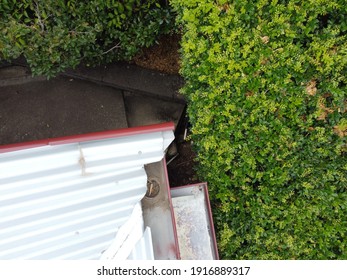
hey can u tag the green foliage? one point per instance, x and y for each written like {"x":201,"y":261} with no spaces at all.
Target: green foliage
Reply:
{"x":266,"y":90}
{"x":56,"y":34}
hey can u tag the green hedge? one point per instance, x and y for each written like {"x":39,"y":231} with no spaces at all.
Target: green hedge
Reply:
{"x":56,"y":34}
{"x":266,"y":90}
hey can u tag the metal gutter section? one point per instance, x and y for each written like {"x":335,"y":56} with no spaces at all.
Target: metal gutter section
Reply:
{"x":158,"y":213}
{"x":68,"y":198}
{"x":196,"y":236}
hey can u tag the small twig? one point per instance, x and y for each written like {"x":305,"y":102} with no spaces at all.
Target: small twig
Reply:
{"x":178,"y":164}
{"x":175,"y":156}
{"x":79,"y":32}
{"x":150,"y":189}
{"x":111,"y":49}
{"x":37,"y":11}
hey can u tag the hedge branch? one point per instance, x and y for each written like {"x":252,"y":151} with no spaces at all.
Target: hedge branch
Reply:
{"x":37,"y":11}
{"x":111,"y":49}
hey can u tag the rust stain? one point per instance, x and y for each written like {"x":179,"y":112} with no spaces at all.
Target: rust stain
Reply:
{"x":173,"y":249}
{"x":82,"y":162}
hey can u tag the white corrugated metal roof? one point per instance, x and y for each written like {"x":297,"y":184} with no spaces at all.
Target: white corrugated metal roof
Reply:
{"x":143,"y":250}
{"x":68,"y":201}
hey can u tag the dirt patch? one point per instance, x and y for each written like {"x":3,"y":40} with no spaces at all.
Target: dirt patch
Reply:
{"x":182,"y":169}
{"x":163,"y":56}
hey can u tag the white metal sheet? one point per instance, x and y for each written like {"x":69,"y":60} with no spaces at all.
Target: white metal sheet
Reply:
{"x":143,"y":250}
{"x":68,"y":201}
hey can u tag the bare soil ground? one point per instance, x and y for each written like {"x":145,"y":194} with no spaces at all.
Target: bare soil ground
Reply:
{"x":163,"y":57}
{"x":182,"y":170}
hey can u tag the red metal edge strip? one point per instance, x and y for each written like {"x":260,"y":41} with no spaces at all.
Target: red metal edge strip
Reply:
{"x":89,"y":137}
{"x":178,"y":254}
{"x":208,"y":204}
{"x":211,"y":220}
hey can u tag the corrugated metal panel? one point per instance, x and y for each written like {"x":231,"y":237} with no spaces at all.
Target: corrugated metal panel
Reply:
{"x":68,"y":201}
{"x":127,"y":236}
{"x":144,"y":248}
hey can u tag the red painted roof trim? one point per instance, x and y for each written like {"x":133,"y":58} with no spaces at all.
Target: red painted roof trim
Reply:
{"x":166,"y":175}
{"x":89,"y":137}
